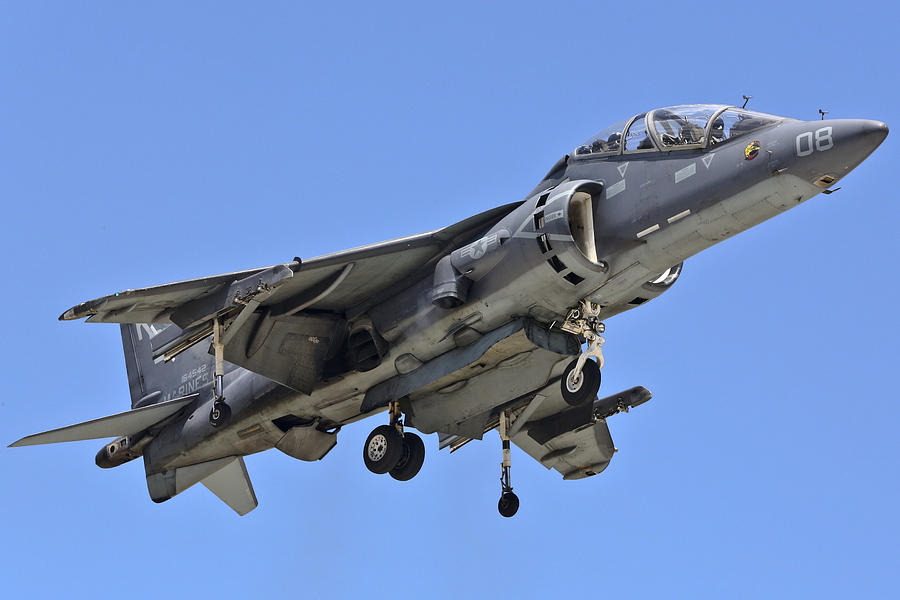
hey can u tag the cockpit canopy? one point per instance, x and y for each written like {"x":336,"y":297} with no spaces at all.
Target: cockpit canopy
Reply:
{"x":675,"y":128}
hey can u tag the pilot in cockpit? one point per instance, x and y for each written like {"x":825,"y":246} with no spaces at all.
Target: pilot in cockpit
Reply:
{"x":690,"y":133}
{"x":613,"y":141}
{"x":675,"y":128}
{"x":717,"y":132}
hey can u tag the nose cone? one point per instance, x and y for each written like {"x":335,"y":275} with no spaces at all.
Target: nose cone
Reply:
{"x":825,"y":151}
{"x":870,"y":132}
{"x":854,"y":139}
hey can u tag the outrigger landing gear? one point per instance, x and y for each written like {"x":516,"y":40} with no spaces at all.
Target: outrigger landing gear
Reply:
{"x":389,"y":449}
{"x":581,"y":379}
{"x":508,"y":504}
{"x":221,"y":412}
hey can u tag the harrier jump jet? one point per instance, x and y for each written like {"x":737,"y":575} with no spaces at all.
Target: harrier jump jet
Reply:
{"x":495,"y":322}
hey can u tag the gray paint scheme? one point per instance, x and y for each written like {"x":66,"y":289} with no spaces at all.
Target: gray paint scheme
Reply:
{"x":458,"y":324}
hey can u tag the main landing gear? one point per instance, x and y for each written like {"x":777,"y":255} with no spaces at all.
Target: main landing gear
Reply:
{"x":581,"y":379}
{"x":389,"y":449}
{"x":220,"y":413}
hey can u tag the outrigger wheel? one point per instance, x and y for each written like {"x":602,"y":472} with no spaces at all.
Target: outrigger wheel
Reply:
{"x":583,"y":387}
{"x":220,"y":413}
{"x":508,"y":504}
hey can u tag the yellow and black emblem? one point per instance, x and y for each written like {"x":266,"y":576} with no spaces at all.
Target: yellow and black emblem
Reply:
{"x":751,"y":150}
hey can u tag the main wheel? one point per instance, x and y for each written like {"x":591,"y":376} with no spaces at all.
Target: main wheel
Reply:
{"x":413,"y":458}
{"x":508,"y":504}
{"x":581,"y":389}
{"x":383,"y":449}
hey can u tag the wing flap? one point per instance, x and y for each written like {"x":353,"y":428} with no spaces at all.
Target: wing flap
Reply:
{"x":121,"y":424}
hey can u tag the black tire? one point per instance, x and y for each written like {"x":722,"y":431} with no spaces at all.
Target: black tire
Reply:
{"x":220,"y":414}
{"x":383,"y":449}
{"x":508,"y":504}
{"x":585,"y":389}
{"x":412,"y":460}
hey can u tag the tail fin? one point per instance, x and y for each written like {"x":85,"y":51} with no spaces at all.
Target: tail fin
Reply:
{"x":151,"y":382}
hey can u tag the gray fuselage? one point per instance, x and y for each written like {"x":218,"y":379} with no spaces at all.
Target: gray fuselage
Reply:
{"x":611,"y":228}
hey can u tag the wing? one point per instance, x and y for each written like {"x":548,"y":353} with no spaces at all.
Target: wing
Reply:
{"x":284,"y":321}
{"x":330,"y":282}
{"x":573,"y":440}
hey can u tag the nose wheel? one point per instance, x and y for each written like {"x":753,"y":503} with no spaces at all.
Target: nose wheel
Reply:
{"x":390,"y":449}
{"x":581,"y":379}
{"x":580,"y":387}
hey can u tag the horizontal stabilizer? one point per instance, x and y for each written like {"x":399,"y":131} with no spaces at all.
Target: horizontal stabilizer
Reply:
{"x":126,"y":423}
{"x":232,"y":485}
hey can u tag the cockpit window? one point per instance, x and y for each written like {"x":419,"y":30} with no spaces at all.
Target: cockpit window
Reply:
{"x":637,"y":137}
{"x":736,"y":122}
{"x":605,"y":142}
{"x":676,"y":127}
{"x":682,"y":125}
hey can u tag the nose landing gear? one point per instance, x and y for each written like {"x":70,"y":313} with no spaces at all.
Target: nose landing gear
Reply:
{"x":581,"y":379}
{"x":389,"y":449}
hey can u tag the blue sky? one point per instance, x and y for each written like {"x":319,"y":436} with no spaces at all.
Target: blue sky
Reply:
{"x":151,"y":143}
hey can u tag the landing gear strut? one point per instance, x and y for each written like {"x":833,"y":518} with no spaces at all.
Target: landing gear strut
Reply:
{"x":390,"y":449}
{"x":508,"y":504}
{"x":581,"y":379}
{"x":221,"y":412}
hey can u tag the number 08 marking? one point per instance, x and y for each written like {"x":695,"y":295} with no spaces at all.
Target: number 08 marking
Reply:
{"x":807,"y":143}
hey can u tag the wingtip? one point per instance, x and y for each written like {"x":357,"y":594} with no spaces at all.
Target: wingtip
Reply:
{"x":80,"y":311}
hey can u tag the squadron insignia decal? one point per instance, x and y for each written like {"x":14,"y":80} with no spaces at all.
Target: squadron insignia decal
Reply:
{"x":751,"y":150}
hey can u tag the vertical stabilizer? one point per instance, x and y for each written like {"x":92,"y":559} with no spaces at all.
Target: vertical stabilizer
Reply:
{"x":150,"y":382}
